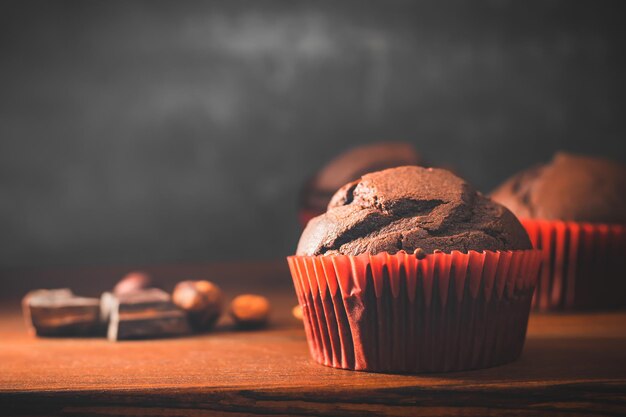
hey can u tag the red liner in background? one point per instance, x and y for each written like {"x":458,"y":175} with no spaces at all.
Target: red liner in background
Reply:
{"x":584,"y":264}
{"x":397,"y":313}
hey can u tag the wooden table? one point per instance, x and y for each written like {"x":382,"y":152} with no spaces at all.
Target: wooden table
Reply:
{"x":573,"y":365}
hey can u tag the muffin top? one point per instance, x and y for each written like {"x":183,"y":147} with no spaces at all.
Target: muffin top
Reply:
{"x":409,"y":208}
{"x":570,"y":188}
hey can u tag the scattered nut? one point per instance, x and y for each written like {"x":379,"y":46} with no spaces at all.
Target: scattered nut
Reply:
{"x":250,"y":311}
{"x":419,"y":253}
{"x":296,"y":311}
{"x":132,"y":282}
{"x":202,"y":300}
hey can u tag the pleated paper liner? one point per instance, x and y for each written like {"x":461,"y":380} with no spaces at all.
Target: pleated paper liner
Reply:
{"x":399,"y":314}
{"x":584,"y":265}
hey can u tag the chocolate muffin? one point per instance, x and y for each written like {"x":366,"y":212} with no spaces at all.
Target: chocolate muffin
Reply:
{"x":410,"y":208}
{"x":412,"y":270}
{"x":574,"y":209}
{"x":349,"y":166}
{"x":570,"y":188}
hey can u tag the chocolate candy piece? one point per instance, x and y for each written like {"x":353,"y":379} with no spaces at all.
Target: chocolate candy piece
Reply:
{"x":143,"y":315}
{"x":61,"y":313}
{"x":58,"y":293}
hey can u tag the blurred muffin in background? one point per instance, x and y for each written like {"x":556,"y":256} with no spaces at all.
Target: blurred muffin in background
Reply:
{"x":574,"y":209}
{"x":570,"y":188}
{"x":349,"y":166}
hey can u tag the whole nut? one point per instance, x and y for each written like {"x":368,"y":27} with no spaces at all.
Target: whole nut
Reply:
{"x":250,"y":310}
{"x":132,"y":282}
{"x":296,"y":311}
{"x":202,"y":300}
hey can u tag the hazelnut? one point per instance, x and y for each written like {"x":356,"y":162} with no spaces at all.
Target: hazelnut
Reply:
{"x":296,"y":311}
{"x":202,"y":300}
{"x":133,"y":282}
{"x":419,"y":253}
{"x":249,"y":310}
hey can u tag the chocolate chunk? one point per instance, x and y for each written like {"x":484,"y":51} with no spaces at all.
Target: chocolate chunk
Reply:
{"x":143,"y":315}
{"x":411,"y":207}
{"x":61,"y":313}
{"x":50,"y":294}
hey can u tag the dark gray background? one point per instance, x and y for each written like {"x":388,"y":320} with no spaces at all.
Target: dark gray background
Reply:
{"x":135,"y":132}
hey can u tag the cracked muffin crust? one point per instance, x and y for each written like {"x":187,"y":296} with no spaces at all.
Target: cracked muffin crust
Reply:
{"x":411,"y":208}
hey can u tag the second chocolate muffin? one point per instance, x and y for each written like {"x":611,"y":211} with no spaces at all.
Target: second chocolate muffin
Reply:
{"x":409,"y":208}
{"x":574,"y":210}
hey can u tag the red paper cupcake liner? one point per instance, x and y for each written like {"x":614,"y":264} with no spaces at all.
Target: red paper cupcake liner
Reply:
{"x":396,"y":313}
{"x":583,"y":264}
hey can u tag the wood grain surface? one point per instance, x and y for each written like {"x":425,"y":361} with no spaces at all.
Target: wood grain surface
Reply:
{"x":572,"y":365}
